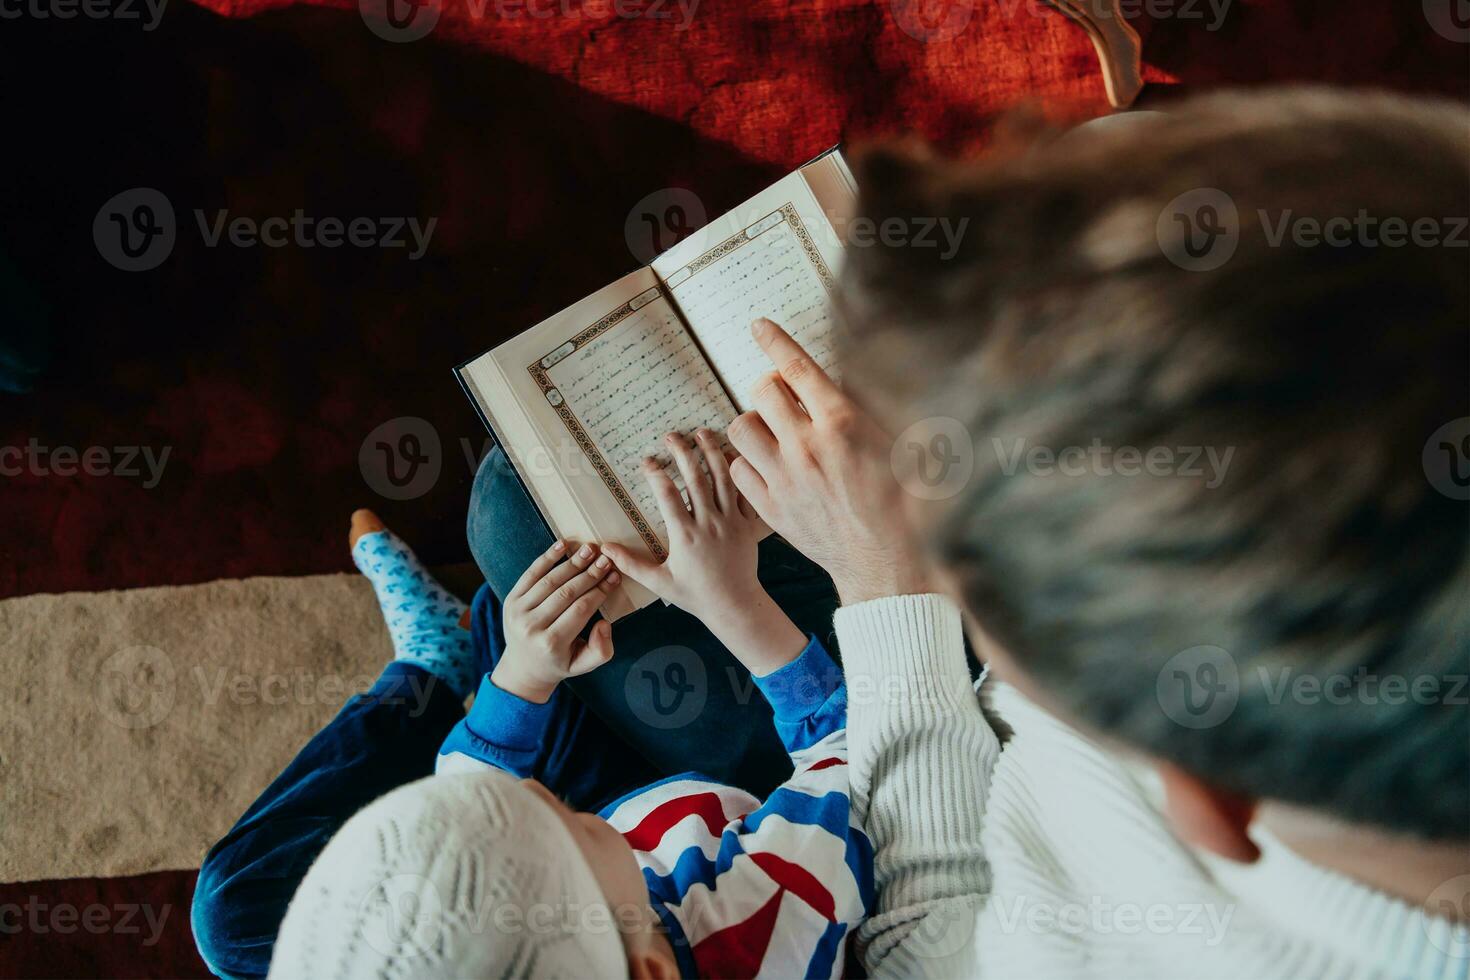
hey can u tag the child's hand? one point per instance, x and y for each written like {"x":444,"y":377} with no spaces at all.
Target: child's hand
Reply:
{"x":712,"y":542}
{"x":544,"y":614}
{"x":710,"y":571}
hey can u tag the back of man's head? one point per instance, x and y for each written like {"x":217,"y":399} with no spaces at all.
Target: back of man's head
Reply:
{"x":1213,"y":370}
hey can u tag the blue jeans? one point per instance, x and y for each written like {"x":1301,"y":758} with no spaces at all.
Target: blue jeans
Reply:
{"x":672,"y":691}
{"x":672,"y":700}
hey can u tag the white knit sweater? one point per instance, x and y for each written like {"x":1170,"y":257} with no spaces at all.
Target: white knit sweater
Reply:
{"x":1049,"y":859}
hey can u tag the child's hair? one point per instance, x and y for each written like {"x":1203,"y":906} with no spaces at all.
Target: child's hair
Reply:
{"x":452,"y":875}
{"x":1212,"y":366}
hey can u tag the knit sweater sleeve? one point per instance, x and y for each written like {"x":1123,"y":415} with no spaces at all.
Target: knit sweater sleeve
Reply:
{"x":921,"y":756}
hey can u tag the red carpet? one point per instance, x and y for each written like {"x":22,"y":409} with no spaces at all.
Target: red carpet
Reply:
{"x":263,"y":370}
{"x":99,"y":927}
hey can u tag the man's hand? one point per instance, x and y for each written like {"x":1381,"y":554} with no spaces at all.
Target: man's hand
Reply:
{"x":544,"y":615}
{"x":816,"y":469}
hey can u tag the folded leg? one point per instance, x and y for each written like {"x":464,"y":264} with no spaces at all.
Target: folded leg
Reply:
{"x":377,"y":742}
{"x":672,"y":692}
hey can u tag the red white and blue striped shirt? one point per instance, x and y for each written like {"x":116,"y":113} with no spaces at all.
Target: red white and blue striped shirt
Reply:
{"x":745,"y":888}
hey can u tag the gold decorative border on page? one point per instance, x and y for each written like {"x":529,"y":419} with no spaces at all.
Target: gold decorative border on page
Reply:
{"x":790,"y":217}
{"x":538,"y":371}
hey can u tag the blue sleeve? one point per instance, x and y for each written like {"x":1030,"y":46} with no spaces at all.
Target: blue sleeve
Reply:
{"x":810,"y":702}
{"x":501,"y":730}
{"x":808,"y":696}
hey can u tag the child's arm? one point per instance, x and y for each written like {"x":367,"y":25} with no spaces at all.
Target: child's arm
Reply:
{"x":543,"y":616}
{"x":711,"y":573}
{"x":921,"y":765}
{"x":802,"y":842}
{"x":711,"y":568}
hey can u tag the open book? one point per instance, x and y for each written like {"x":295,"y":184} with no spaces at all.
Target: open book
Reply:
{"x":580,"y":399}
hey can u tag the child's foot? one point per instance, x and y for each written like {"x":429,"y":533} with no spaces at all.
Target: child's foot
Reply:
{"x":423,"y":618}
{"x":363,"y":522}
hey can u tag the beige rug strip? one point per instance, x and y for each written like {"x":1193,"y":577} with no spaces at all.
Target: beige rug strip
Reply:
{"x":135,"y":726}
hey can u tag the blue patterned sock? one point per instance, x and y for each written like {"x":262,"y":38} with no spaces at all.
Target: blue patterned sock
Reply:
{"x":422,"y":617}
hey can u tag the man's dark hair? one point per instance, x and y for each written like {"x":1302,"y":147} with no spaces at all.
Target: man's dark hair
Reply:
{"x":1093,"y":302}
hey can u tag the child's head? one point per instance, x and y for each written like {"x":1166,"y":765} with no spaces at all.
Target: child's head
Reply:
{"x":479,"y":874}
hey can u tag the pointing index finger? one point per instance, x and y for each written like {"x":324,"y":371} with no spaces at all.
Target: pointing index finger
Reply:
{"x":816,"y":389}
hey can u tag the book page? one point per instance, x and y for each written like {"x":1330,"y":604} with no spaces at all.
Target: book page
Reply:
{"x":625,"y":388}
{"x":578,"y":400}
{"x":599,"y":385}
{"x":776,"y":256}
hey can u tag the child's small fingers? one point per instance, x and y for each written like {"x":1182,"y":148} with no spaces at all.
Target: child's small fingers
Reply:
{"x":670,"y":504}
{"x":558,"y":576}
{"x":544,"y":563}
{"x":592,"y":653}
{"x":570,"y":621}
{"x":687,"y":459}
{"x":726,"y":496}
{"x":566,"y":595}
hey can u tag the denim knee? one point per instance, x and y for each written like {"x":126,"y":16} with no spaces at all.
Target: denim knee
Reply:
{"x":504,"y":528}
{"x":228,"y":947}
